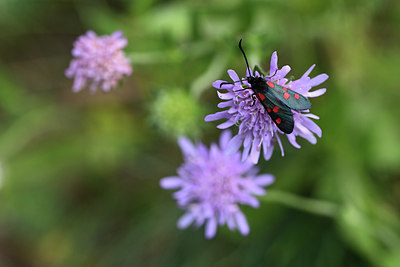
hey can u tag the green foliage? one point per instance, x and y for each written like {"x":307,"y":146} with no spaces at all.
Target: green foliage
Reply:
{"x":80,"y":172}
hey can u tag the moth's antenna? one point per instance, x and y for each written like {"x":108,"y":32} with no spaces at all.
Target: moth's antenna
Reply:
{"x":245,"y":58}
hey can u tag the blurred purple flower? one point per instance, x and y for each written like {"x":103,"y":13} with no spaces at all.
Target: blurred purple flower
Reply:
{"x":212,"y":184}
{"x":99,"y":61}
{"x":256,"y":128}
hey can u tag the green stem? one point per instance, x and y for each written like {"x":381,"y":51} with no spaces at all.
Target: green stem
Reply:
{"x":214,"y":70}
{"x":319,"y":207}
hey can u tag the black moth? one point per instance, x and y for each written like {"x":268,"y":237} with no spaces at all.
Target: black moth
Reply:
{"x":277,"y":100}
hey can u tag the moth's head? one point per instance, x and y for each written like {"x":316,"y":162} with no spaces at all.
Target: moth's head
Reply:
{"x":256,"y":82}
{"x":252,"y":80}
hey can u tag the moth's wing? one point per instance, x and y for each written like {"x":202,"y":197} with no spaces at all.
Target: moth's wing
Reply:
{"x":289,"y":97}
{"x":279,"y":112}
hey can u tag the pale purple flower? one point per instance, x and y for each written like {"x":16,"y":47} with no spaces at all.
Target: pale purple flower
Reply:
{"x":256,"y":128}
{"x":212,"y":184}
{"x":99,"y":61}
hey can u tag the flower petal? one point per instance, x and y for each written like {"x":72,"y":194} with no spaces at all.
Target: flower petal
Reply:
{"x":242,"y":223}
{"x":317,"y":80}
{"x":233,"y":75}
{"x":305,"y":133}
{"x":315,"y":93}
{"x":217,"y":116}
{"x":187,"y":146}
{"x":268,"y":148}
{"x":282,"y":72}
{"x":227,"y":124}
{"x":185,"y":220}
{"x":307,"y":73}
{"x":226,"y":96}
{"x":278,"y":139}
{"x":264,"y":179}
{"x":255,"y":150}
{"x":225,"y":104}
{"x":255,"y":190}
{"x":234,"y":144}
{"x":211,"y":228}
{"x":246,"y":147}
{"x":292,"y":139}
{"x":231,"y":223}
{"x":218,"y":84}
{"x":117,"y":34}
{"x":171,"y":182}
{"x":224,"y":139}
{"x":250,"y":200}
{"x":312,"y":126}
{"x":312,"y":116}
{"x":274,"y":63}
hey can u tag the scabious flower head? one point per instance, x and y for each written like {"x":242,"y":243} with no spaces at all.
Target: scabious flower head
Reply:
{"x":99,"y":61}
{"x":256,"y":128}
{"x":177,"y":113}
{"x":212,"y":184}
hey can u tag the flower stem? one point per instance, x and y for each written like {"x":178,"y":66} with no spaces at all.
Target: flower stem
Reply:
{"x":215,"y":69}
{"x":318,"y":207}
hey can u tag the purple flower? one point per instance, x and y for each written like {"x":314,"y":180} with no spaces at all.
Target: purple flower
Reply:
{"x":256,"y":128}
{"x":99,"y":61}
{"x":212,"y":184}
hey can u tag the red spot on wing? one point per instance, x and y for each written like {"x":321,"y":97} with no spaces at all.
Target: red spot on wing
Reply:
{"x":286,"y":95}
{"x":271,"y":84}
{"x":276,"y":109}
{"x":284,"y":89}
{"x":269,"y":110}
{"x":261,"y":96}
{"x":278,"y":121}
{"x":296,"y":96}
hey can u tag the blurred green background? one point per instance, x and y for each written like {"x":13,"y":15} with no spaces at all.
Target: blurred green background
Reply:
{"x":80,"y":172}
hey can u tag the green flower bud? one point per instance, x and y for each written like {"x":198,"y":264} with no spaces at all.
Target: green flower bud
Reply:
{"x":177,"y":113}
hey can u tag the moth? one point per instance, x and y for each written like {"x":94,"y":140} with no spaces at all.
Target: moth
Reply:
{"x":277,"y":100}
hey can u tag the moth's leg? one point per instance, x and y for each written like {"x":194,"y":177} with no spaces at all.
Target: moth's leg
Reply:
{"x":272,"y":74}
{"x":254,"y":97}
{"x":244,"y":87}
{"x":223,"y":83}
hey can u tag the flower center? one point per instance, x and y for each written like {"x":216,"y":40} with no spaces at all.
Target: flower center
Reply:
{"x":219,"y":188}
